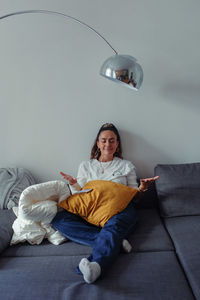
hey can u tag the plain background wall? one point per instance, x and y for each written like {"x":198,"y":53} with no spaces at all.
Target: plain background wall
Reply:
{"x":53,"y":101}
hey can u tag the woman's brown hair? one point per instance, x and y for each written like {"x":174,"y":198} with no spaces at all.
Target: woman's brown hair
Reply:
{"x":95,"y":152}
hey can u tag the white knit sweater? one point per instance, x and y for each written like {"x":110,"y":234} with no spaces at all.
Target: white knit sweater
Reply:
{"x":118,"y":170}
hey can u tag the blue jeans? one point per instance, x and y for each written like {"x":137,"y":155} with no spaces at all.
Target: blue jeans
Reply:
{"x":106,"y":241}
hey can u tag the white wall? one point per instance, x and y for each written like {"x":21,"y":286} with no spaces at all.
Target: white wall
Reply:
{"x":49,"y":117}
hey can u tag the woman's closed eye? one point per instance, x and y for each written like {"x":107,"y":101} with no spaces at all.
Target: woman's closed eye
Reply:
{"x":110,"y":141}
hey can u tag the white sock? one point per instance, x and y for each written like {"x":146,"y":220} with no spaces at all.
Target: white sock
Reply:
{"x":126,"y":246}
{"x":90,"y":270}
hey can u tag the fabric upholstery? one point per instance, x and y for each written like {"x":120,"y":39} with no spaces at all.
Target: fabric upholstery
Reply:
{"x":7,"y":218}
{"x":185,"y":233}
{"x":147,"y":199}
{"x":97,"y":206}
{"x":163,"y":264}
{"x":134,"y":276}
{"x":68,"y":248}
{"x":149,"y":233}
{"x":178,"y":189}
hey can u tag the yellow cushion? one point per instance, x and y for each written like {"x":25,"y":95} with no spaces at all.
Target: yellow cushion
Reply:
{"x":106,"y":199}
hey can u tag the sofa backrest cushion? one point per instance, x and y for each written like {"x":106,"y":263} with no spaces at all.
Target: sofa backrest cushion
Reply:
{"x":148,"y":199}
{"x":178,"y":189}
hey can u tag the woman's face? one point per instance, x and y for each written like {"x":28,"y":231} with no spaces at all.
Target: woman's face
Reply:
{"x":107,"y":143}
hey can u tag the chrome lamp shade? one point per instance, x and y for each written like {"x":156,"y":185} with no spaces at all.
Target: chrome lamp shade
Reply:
{"x":123,"y":69}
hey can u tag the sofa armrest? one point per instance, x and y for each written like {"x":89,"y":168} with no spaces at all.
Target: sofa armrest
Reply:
{"x":7,"y":218}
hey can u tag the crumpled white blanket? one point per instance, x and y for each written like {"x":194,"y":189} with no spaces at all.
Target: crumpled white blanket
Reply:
{"x":37,"y":208}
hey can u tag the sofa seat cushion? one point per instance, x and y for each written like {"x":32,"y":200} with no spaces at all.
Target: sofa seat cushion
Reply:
{"x":185,"y":233}
{"x":46,"y":249}
{"x":150,"y":233}
{"x":178,"y":189}
{"x":150,"y":275}
{"x":7,"y":218}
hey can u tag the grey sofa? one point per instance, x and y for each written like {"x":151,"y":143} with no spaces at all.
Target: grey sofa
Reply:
{"x":164,"y":262}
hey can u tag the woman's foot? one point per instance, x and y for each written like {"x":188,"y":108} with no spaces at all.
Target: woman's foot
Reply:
{"x":90,"y":270}
{"x":126,"y":246}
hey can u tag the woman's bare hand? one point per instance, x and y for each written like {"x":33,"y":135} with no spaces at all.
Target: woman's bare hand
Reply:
{"x":145,"y":183}
{"x":70,"y":179}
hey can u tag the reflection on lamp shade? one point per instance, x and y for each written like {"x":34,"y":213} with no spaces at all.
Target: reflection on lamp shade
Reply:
{"x":123,"y":69}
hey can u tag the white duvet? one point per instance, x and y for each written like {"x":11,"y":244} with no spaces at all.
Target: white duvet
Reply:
{"x":37,"y":208}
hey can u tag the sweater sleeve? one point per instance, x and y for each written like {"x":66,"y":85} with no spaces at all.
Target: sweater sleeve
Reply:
{"x":132,"y":177}
{"x":81,"y":178}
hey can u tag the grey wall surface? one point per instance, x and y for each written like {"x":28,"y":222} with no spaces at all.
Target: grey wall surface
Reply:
{"x":51,"y":107}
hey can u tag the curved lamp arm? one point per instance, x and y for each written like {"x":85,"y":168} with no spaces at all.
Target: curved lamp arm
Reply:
{"x":36,"y":11}
{"x":119,"y":68}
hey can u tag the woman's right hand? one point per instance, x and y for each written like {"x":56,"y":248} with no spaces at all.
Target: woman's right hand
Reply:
{"x":144,"y":183}
{"x":70,"y":179}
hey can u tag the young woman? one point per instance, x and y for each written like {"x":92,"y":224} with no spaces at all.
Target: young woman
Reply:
{"x":106,"y":163}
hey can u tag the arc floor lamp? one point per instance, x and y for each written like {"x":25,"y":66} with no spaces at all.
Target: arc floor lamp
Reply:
{"x":122,"y":69}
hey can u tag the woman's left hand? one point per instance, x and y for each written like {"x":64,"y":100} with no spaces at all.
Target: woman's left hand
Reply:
{"x":145,"y":183}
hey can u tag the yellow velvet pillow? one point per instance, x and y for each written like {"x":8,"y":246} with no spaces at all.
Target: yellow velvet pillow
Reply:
{"x":97,"y":206}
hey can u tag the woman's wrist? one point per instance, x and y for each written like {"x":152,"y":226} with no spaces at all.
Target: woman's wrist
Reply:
{"x":76,"y":186}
